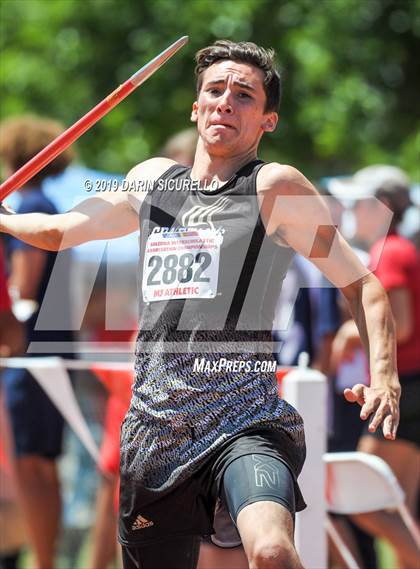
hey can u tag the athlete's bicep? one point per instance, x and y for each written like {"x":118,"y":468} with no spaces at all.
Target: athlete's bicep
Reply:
{"x":104,"y":217}
{"x":326,"y":248}
{"x":112,"y":214}
{"x":311,"y":232}
{"x":295,"y":214}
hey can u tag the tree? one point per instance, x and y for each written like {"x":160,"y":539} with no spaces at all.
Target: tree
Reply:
{"x":350,"y":67}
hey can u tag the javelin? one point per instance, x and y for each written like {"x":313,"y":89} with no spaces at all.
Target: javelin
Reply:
{"x":59,"y":144}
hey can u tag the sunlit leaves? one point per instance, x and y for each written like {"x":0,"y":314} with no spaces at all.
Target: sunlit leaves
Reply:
{"x":351,"y":73}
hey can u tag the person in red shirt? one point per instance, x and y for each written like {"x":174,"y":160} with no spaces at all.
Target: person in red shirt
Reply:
{"x":103,"y":550}
{"x":396,"y":263}
{"x":104,"y":536}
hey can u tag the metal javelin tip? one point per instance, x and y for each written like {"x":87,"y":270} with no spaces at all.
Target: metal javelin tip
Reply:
{"x":153,"y":65}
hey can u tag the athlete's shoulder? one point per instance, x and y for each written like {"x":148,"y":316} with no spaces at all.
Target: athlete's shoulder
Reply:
{"x":141,"y":177}
{"x":150,"y":169}
{"x":280,"y":188}
{"x":283,"y":179}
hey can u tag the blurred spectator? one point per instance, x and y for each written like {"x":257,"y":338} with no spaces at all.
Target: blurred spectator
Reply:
{"x":181,"y":146}
{"x":11,"y":331}
{"x":36,"y":424}
{"x":11,"y":343}
{"x":295,"y":313}
{"x":104,"y":539}
{"x":395,"y":261}
{"x":299,"y":310}
{"x":12,"y":534}
{"x":344,"y":425}
{"x":118,"y":387}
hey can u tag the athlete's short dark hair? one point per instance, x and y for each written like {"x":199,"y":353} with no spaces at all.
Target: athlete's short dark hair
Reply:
{"x":244,"y":52}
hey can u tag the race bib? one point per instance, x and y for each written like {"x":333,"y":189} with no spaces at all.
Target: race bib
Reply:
{"x":181,"y":263}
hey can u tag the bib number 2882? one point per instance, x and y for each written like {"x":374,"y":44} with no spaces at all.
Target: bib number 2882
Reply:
{"x":181,"y":264}
{"x":183,"y":269}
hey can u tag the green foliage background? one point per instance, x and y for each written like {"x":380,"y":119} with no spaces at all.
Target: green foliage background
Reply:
{"x":351,"y":73}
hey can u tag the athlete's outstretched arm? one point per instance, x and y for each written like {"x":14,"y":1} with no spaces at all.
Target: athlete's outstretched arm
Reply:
{"x":294,"y":213}
{"x":104,"y":217}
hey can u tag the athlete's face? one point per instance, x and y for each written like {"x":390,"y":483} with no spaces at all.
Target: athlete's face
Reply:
{"x":229,"y":111}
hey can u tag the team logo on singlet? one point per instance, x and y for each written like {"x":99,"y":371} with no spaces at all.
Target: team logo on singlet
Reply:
{"x":203,"y":215}
{"x":142,"y":523}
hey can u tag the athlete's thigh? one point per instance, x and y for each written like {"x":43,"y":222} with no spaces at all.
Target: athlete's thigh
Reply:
{"x":179,"y":552}
{"x":265,"y":524}
{"x":257,"y":478}
{"x":259,"y":493}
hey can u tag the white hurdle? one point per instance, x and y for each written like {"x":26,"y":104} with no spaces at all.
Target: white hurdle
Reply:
{"x":52,"y":375}
{"x":306,"y":390}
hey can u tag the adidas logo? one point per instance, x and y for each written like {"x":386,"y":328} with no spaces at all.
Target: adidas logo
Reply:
{"x":141,"y":523}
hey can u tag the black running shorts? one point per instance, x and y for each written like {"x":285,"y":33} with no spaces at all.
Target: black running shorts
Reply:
{"x":248,"y":479}
{"x":252,"y":466}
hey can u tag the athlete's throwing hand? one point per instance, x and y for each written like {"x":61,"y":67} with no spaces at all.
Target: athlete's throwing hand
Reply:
{"x":379,"y":404}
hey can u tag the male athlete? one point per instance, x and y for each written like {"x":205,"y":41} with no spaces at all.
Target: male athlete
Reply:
{"x":205,"y":422}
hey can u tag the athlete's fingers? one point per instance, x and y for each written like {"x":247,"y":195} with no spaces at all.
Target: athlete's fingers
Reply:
{"x":355,"y":394}
{"x":395,"y":423}
{"x":349,"y":395}
{"x":381,"y":412}
{"x":387,"y":427}
{"x":371,"y":406}
{"x":390,"y":424}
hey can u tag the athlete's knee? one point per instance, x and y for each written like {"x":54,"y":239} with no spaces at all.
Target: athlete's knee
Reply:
{"x":273,"y":554}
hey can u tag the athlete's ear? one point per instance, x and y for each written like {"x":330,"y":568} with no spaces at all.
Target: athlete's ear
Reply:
{"x":194,"y":112}
{"x":270,"y":122}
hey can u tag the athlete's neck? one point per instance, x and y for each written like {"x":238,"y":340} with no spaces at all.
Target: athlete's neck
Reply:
{"x":208,"y":167}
